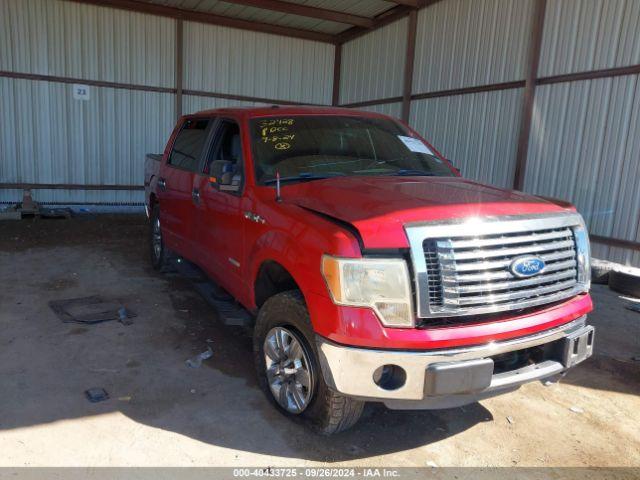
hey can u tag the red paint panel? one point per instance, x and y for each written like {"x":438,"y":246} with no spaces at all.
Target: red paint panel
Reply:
{"x":330,"y":217}
{"x":361,"y":327}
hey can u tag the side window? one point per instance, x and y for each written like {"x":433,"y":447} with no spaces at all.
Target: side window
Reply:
{"x":187,"y":149}
{"x":227,"y":147}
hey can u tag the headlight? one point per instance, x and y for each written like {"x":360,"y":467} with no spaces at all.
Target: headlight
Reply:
{"x":379,"y":284}
{"x":583,"y":255}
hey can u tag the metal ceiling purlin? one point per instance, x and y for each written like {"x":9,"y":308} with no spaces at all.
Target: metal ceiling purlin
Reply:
{"x":307,"y":11}
{"x":361,"y":24}
{"x":209,"y":18}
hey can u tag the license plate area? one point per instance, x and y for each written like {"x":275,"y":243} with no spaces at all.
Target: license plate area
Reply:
{"x":578,"y":346}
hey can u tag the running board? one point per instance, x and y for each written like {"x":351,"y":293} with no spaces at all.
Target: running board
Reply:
{"x":229,"y":311}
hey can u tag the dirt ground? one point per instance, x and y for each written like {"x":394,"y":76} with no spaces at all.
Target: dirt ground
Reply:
{"x":162,"y":413}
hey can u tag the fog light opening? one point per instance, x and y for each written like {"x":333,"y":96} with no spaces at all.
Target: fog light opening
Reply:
{"x":389,"y":377}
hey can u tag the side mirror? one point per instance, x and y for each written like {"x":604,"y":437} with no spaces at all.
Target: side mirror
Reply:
{"x":221,"y":176}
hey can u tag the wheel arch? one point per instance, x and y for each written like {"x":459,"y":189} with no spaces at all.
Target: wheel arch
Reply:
{"x":272,"y":278}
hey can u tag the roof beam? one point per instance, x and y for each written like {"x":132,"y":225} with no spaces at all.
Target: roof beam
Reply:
{"x":210,"y":18}
{"x":408,"y":3}
{"x":385,"y":18}
{"x":381,"y":20}
{"x":307,"y":11}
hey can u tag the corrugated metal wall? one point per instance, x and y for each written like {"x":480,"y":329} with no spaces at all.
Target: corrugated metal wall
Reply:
{"x":193,"y":103}
{"x":68,"y":39}
{"x":584,"y":141}
{"x":373,"y":65}
{"x":46,"y":136}
{"x":585,"y":147}
{"x":394,"y":109}
{"x":459,"y":43}
{"x":585,"y":136}
{"x":477,"y":132}
{"x":465,"y":43}
{"x":225,"y":60}
{"x":583,"y":35}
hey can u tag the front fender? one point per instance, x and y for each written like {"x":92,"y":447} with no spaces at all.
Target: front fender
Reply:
{"x":299,"y":250}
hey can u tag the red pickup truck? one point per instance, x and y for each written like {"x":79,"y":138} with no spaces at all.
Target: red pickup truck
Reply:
{"x":371,"y":270}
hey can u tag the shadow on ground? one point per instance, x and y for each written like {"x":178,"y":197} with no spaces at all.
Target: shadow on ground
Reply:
{"x":46,"y":365}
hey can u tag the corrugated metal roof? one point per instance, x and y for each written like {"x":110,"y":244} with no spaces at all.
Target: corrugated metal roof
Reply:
{"x":585,"y":147}
{"x":365,"y":8}
{"x":464,"y":43}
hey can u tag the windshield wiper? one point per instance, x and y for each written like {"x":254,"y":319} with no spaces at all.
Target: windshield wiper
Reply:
{"x":303,"y":177}
{"x":415,"y":173}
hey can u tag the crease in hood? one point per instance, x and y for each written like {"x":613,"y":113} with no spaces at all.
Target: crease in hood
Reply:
{"x":380,"y":207}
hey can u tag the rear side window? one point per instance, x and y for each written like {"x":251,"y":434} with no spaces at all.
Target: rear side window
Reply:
{"x":187,"y":149}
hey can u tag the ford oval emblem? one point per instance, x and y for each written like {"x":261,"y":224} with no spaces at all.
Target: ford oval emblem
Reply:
{"x":526,"y":266}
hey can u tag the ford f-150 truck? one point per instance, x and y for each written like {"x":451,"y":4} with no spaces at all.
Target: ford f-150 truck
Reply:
{"x":372,"y":271}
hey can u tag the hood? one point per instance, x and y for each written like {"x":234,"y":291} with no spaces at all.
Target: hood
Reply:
{"x":379,"y":207}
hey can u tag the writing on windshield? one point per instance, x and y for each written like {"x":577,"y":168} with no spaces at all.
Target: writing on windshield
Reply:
{"x":318,"y":146}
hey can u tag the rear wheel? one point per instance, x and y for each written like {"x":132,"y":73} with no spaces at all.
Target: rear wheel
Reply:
{"x":288,"y":370}
{"x":160,"y":255}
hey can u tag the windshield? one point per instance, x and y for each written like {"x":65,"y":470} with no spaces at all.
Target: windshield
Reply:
{"x":319,"y":146}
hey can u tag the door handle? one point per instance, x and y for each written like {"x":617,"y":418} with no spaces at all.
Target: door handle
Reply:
{"x":162,"y":184}
{"x":195,"y":195}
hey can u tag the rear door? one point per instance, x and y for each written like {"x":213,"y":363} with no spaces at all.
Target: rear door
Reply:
{"x":175,"y":185}
{"x":219,"y":221}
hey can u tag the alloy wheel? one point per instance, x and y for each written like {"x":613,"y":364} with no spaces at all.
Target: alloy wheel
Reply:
{"x":156,"y":239}
{"x":289,"y":369}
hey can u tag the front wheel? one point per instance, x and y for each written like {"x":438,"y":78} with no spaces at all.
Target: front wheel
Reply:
{"x":288,"y":371}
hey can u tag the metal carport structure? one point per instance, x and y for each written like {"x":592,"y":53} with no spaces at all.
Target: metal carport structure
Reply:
{"x":540,"y":95}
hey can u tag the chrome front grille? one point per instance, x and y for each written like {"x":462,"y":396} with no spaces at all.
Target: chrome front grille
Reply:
{"x":464,"y":268}
{"x":434,"y":275}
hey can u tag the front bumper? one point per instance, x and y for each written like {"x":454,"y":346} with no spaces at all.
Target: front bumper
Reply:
{"x":453,"y":377}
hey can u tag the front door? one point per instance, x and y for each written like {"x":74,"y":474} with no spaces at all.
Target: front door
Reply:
{"x":219,"y":221}
{"x":175,"y":185}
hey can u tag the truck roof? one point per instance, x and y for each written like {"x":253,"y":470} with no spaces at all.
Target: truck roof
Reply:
{"x":280,"y":110}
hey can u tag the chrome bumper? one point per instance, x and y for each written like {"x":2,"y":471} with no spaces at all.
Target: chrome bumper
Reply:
{"x":450,"y":378}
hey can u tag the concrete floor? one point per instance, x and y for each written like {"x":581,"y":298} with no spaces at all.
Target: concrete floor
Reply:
{"x":163,"y":413}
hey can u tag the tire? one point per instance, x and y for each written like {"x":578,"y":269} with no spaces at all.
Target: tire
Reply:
{"x":159,"y":253}
{"x":625,"y":281}
{"x":600,"y":270}
{"x":326,"y":411}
